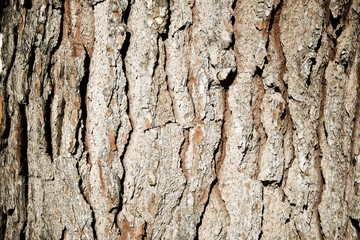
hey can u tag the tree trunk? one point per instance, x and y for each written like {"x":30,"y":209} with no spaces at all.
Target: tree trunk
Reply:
{"x":197,"y":119}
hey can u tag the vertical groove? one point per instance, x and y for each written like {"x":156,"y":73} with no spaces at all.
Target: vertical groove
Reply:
{"x":24,"y":162}
{"x":47,"y":120}
{"x":83,"y":95}
{"x":198,"y":225}
{"x":123,"y":53}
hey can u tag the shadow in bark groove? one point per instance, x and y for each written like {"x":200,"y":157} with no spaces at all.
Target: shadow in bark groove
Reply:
{"x":356,"y":224}
{"x":3,"y":223}
{"x":198,"y":225}
{"x":47,"y":121}
{"x":24,"y":161}
{"x":63,"y":234}
{"x":226,"y":83}
{"x":83,"y":92}
{"x":23,"y":231}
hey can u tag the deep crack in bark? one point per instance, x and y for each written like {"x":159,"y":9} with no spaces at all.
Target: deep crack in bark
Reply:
{"x":198,"y":225}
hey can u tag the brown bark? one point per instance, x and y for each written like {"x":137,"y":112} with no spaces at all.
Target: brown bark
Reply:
{"x":198,"y":119}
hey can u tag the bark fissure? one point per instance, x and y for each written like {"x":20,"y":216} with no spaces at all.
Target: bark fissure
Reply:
{"x":63,"y":234}
{"x":123,"y":53}
{"x":321,"y":133}
{"x":165,"y":34}
{"x":262,"y":215}
{"x":83,"y":106}
{"x":24,"y":147}
{"x":23,"y":230}
{"x":93,"y":222}
{"x":47,"y":121}
{"x":13,"y":56}
{"x":24,"y":171}
{"x":199,"y":224}
{"x":356,"y":224}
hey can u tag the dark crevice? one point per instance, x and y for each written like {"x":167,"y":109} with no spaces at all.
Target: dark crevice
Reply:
{"x":6,"y":121}
{"x":272,"y":21}
{"x":10,"y":212}
{"x":47,"y":121}
{"x":93,"y":222}
{"x":23,"y":231}
{"x":97,"y":3}
{"x":24,"y":159}
{"x":262,"y":217}
{"x":24,"y":147}
{"x":325,"y":131}
{"x":13,"y":56}
{"x":356,"y":224}
{"x":198,"y":225}
{"x":27,"y":4}
{"x":59,"y":40}
{"x":336,"y":24}
{"x":228,"y":81}
{"x":233,"y":5}
{"x":124,"y":49}
{"x":322,"y":177}
{"x":232,"y":21}
{"x":318,"y":45}
{"x":63,"y":233}
{"x":320,"y":226}
{"x":144,"y":235}
{"x":266,"y":183}
{"x":283,"y":114}
{"x":308,"y":78}
{"x":83,"y":95}
{"x":3,"y":223}
{"x":126,"y":13}
{"x":258,"y":72}
{"x":218,"y":150}
{"x":308,"y":81}
{"x":165,"y":34}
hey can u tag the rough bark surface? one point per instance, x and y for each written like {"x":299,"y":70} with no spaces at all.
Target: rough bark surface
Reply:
{"x":181,"y":119}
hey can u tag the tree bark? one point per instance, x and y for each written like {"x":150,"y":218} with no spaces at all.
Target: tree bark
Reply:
{"x":197,"y":119}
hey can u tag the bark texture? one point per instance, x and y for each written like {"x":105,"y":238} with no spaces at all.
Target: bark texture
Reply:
{"x":179,"y":119}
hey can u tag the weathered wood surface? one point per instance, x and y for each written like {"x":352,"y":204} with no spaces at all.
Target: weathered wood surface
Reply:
{"x":182,"y":119}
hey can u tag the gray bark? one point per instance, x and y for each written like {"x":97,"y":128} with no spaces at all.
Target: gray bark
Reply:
{"x":156,"y":119}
